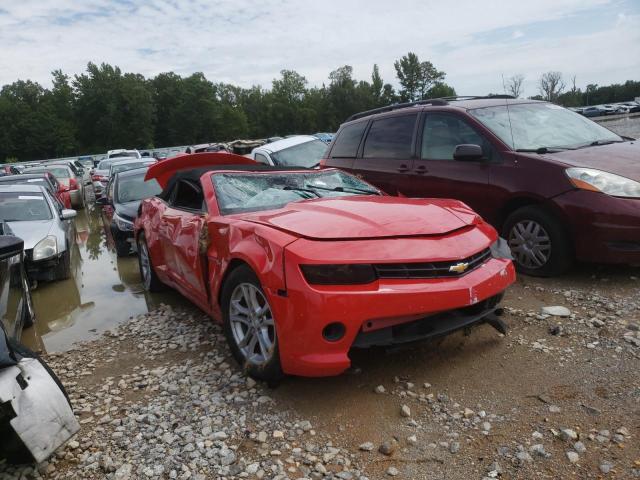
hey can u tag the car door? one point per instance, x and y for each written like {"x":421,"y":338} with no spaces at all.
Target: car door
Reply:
{"x":184,"y":221}
{"x":437,"y":174}
{"x":388,"y":153}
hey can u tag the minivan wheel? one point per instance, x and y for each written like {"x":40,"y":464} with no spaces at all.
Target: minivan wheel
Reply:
{"x":539,"y":243}
{"x":249,"y":325}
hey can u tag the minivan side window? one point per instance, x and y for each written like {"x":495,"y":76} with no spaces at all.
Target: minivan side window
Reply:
{"x":390,"y":137}
{"x":187,"y":196}
{"x":442,"y":133}
{"x":346,"y":145}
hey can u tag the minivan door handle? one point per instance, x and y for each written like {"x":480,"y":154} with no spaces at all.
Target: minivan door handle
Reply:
{"x":421,"y":169}
{"x":403,"y":168}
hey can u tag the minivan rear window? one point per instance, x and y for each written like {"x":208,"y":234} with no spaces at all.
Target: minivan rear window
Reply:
{"x":346,"y":145}
{"x":390,"y":137}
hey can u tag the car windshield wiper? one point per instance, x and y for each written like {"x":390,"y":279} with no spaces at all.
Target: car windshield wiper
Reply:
{"x":300,"y":189}
{"x":600,"y":142}
{"x":345,"y":189}
{"x":543,"y":149}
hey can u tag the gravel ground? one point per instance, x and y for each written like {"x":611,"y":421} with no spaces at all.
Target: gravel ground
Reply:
{"x":558,"y":397}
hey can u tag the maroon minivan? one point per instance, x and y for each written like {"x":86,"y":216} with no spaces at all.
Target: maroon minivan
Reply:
{"x":558,"y":186}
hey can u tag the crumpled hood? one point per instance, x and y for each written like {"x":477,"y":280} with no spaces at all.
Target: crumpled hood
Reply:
{"x":31,"y":232}
{"x":619,"y":158}
{"x":367,"y":217}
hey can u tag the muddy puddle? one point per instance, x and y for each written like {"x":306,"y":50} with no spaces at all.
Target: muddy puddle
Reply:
{"x":103,"y":291}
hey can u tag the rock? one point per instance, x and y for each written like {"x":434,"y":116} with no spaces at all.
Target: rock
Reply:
{"x":379,"y":389}
{"x":579,"y":447}
{"x":73,"y":445}
{"x":567,"y":434}
{"x":366,"y":446}
{"x":392,"y":471}
{"x":388,"y":447}
{"x":556,"y":311}
{"x":486,"y":426}
{"x":554,"y":409}
{"x":572,"y":456}
{"x":261,"y":437}
{"x":412,"y":440}
{"x":405,"y":411}
{"x":250,"y":382}
{"x":123,"y":473}
{"x":454,"y":447}
{"x":278,"y":434}
{"x":623,"y":431}
{"x":605,"y":467}
{"x":523,"y":457}
{"x":468,"y":413}
{"x":538,"y":450}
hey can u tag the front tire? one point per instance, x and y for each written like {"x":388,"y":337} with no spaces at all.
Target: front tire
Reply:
{"x":249,"y":325}
{"x":150,"y":279}
{"x":539,"y":243}
{"x":123,"y":247}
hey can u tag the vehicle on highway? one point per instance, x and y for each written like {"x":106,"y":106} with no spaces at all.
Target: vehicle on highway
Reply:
{"x":100,"y":175}
{"x":299,"y":150}
{"x":301,"y":266}
{"x":123,"y":153}
{"x":16,"y":306}
{"x":44,"y":179}
{"x":65,"y":175}
{"x":47,"y":229}
{"x":558,"y":186}
{"x":125,"y":191}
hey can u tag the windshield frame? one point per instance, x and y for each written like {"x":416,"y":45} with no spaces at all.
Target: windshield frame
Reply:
{"x":512,"y":133}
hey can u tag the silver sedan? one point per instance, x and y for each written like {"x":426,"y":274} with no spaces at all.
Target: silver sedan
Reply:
{"x":45,"y":226}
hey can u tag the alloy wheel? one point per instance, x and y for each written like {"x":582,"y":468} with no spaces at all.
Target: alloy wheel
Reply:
{"x":530,"y":244}
{"x":252,"y":324}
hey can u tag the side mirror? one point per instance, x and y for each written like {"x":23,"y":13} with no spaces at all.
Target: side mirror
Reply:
{"x":101,"y":201}
{"x":67,"y":214}
{"x":466,"y":152}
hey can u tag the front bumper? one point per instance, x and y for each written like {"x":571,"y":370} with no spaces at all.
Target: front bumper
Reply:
{"x":43,"y":270}
{"x":605,"y":229}
{"x":364,"y":309}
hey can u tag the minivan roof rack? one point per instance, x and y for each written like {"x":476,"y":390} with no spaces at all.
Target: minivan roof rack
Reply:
{"x":430,"y":101}
{"x":397,"y":106}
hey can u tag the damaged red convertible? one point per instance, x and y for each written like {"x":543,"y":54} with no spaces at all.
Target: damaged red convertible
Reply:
{"x":300,"y":266}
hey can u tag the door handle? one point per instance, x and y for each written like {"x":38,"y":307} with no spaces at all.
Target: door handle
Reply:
{"x":403,"y":168}
{"x":421,"y":169}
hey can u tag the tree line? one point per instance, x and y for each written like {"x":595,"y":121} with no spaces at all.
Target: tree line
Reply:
{"x":552,"y":87}
{"x":105,"y":108}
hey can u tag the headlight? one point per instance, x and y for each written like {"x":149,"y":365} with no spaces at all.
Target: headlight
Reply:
{"x":45,"y":248}
{"x":122,"y":223}
{"x":500,"y":249}
{"x":348,"y":274}
{"x":604,"y":182}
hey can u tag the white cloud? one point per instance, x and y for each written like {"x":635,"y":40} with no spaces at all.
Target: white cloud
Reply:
{"x":517,"y":34}
{"x":248,"y":42}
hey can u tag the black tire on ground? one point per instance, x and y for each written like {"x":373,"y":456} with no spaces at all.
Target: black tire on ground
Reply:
{"x":535,"y":226}
{"x":63,"y":270}
{"x":270,"y":370}
{"x":28,"y":313}
{"x":148,"y":274}
{"x":123,"y":248}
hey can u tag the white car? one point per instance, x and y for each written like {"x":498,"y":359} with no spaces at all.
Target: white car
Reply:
{"x":100,"y":175}
{"x":298,"y":151}
{"x":123,"y":152}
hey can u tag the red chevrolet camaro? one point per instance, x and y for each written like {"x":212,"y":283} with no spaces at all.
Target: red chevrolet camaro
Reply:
{"x":300,"y":266}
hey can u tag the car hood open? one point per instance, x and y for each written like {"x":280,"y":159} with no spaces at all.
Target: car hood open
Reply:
{"x":619,"y":158}
{"x":31,"y":232}
{"x":367,"y":217}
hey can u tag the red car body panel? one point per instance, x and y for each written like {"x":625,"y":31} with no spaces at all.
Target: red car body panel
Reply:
{"x":194,"y":252}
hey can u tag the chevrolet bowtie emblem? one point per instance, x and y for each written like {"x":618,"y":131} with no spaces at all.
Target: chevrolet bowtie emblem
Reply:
{"x":459,"y":267}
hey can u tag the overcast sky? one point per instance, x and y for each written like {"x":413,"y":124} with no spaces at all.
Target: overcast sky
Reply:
{"x":248,"y":42}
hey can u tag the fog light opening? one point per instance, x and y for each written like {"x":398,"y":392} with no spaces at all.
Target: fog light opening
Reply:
{"x":333,"y":332}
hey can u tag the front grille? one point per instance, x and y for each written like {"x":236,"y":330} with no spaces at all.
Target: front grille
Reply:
{"x":432,"y":269}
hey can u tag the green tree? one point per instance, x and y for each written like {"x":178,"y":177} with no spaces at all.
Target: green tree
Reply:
{"x":416,"y":78}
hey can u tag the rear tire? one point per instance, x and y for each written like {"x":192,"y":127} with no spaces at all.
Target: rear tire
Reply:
{"x":249,"y":326}
{"x":148,"y":274}
{"x":541,"y":246}
{"x":123,"y":248}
